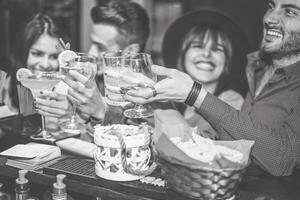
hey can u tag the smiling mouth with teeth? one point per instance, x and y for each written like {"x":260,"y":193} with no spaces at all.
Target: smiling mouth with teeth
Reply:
{"x":274,"y":33}
{"x":206,"y":66}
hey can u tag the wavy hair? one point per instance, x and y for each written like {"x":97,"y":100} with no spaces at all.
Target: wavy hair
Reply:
{"x":38,"y":25}
{"x":128,"y":17}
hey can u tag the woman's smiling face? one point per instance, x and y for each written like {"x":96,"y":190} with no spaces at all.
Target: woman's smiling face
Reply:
{"x":205,"y":60}
{"x":43,"y":54}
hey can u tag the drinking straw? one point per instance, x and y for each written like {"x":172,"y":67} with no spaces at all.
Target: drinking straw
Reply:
{"x":64,"y":45}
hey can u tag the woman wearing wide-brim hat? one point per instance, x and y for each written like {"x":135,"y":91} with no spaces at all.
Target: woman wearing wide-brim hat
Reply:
{"x":209,"y":15}
{"x":208,"y":45}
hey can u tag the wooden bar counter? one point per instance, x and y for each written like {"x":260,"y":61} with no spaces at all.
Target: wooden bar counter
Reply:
{"x":256,"y":184}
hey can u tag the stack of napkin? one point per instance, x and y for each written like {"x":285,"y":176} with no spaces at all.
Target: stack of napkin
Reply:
{"x":30,"y":156}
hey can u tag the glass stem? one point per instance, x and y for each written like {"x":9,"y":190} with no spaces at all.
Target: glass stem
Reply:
{"x":44,"y":132}
{"x":73,"y":117}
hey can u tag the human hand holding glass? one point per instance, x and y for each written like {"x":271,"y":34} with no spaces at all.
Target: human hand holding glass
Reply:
{"x":114,"y":64}
{"x":53,"y":104}
{"x":137,"y":75}
{"x":88,"y":97}
{"x":143,"y":77}
{"x":175,"y":86}
{"x":86,"y":66}
{"x":36,"y":83}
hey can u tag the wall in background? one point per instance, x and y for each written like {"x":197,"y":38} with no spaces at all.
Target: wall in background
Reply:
{"x":85,"y":24}
{"x":163,"y":12}
{"x":76,"y":16}
{"x":15,"y":13}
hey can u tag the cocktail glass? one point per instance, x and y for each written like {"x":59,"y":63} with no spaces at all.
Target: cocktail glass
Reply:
{"x":140,"y":77}
{"x":37,"y":83}
{"x":86,"y":65}
{"x":127,"y":70}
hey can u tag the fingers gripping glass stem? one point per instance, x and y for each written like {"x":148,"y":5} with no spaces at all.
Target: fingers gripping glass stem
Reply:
{"x":85,"y":65}
{"x":141,"y":64}
{"x":38,"y":82}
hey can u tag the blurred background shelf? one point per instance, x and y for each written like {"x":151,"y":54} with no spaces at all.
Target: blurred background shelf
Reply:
{"x":75,"y":16}
{"x":15,"y":13}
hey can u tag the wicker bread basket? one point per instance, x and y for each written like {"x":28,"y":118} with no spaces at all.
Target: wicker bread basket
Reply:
{"x":200,"y":183}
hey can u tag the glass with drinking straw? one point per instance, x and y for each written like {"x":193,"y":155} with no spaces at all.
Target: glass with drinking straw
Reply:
{"x":85,"y":65}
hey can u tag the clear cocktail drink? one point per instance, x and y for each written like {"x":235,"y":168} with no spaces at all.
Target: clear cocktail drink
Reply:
{"x":85,"y":65}
{"x":37,"y":83}
{"x":112,"y":83}
{"x":115,"y":64}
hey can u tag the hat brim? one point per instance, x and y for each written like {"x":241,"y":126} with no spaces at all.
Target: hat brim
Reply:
{"x":176,"y":32}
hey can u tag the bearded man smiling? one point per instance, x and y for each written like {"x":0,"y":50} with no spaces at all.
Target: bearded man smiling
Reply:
{"x":270,"y":114}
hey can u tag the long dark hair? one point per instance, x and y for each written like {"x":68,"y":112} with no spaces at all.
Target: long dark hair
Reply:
{"x":39,"y":24}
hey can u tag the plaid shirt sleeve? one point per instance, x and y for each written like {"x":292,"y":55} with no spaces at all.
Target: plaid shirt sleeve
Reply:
{"x":275,"y":150}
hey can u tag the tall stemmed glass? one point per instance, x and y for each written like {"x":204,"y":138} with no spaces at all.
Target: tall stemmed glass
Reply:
{"x":85,"y":65}
{"x":37,"y":83}
{"x":141,"y":76}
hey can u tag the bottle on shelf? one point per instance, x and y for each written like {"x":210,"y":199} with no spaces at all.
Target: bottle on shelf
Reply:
{"x":3,"y":195}
{"x":22,"y":186}
{"x":59,"y":191}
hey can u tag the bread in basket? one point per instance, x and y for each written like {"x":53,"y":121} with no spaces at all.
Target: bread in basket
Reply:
{"x":207,"y":177}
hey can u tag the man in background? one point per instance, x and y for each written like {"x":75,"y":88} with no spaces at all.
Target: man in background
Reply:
{"x":117,"y":25}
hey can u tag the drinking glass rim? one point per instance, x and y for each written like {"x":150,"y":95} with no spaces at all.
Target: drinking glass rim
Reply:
{"x":103,"y":54}
{"x":54,"y":74}
{"x":84,"y":56}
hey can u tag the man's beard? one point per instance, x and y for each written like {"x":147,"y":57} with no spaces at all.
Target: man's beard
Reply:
{"x":289,"y":48}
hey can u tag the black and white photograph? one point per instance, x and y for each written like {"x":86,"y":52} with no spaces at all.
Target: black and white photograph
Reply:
{"x":149,"y":99}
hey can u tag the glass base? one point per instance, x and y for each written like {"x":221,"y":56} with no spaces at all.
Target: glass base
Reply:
{"x":43,"y":135}
{"x":71,"y":127}
{"x":29,"y":128}
{"x":139,"y":112}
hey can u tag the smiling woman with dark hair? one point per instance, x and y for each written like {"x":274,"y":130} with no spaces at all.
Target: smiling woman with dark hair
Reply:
{"x":43,"y":30}
{"x":36,"y":47}
{"x":204,"y":43}
{"x":270,"y":114}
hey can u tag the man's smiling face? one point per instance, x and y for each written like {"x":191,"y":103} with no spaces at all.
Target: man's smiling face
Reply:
{"x":282,"y":28}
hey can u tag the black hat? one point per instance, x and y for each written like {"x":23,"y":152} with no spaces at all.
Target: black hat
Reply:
{"x":206,"y":15}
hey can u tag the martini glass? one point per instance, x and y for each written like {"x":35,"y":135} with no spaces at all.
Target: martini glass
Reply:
{"x":86,"y":65}
{"x":37,"y":83}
